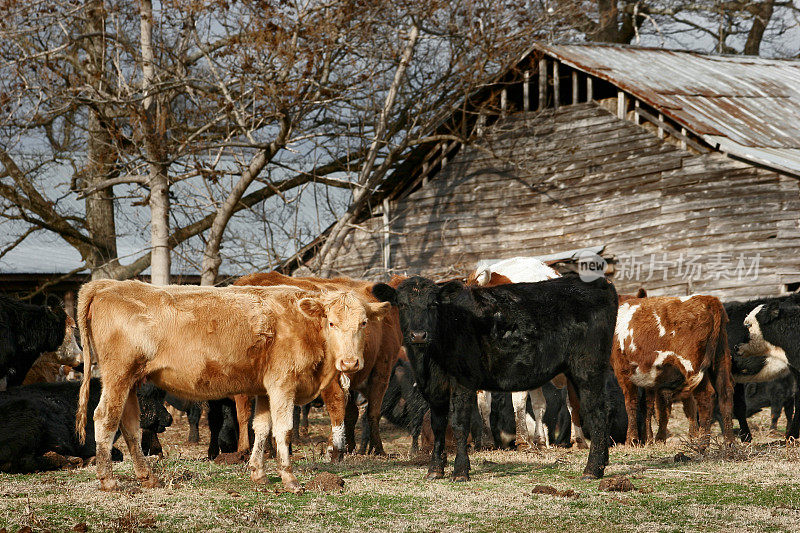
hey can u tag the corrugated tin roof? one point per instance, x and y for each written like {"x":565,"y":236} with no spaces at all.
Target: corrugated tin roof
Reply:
{"x":747,"y":106}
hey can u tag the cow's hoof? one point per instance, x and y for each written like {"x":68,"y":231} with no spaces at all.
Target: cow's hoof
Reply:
{"x":109,"y":484}
{"x":151,"y":482}
{"x":580,"y":445}
{"x":458,"y":478}
{"x":258,"y":477}
{"x":590,"y":477}
{"x":294,"y":487}
{"x":434,"y":474}
{"x":336,"y":456}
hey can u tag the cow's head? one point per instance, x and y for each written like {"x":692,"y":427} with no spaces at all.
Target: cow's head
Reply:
{"x":69,"y":353}
{"x":418,"y":300}
{"x":344,"y":316}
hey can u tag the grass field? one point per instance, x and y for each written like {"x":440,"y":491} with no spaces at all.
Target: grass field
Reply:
{"x":753,"y":488}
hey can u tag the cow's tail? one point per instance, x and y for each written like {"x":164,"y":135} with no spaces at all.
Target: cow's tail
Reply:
{"x":719,"y":354}
{"x":85,"y":296}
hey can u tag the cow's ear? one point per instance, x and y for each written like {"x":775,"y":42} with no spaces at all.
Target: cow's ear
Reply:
{"x":378,"y":311}
{"x":449,"y":291}
{"x":385,"y":293}
{"x":311,"y":308}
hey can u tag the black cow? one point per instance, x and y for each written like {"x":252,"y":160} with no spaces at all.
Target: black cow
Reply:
{"x":40,"y":418}
{"x":27,"y":331}
{"x":777,"y":394}
{"x":223,"y":427}
{"x":752,"y":368}
{"x":193,"y":410}
{"x":772,"y":348}
{"x":506,"y":338}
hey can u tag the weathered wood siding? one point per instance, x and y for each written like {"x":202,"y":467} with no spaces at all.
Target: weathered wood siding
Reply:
{"x":578,"y":176}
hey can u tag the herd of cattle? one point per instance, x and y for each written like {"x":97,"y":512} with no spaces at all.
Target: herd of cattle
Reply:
{"x":516,"y":354}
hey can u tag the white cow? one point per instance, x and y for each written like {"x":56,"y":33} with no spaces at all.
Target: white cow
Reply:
{"x":521,"y":270}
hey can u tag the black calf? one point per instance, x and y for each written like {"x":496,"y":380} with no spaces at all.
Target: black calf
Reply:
{"x":777,"y":394}
{"x":40,"y":418}
{"x":506,"y":338}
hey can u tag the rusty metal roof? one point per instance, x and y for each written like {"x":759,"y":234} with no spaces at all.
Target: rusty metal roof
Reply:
{"x":746,"y":106}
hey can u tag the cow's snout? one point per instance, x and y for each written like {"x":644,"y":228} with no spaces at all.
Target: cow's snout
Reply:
{"x":349,"y":365}
{"x":419,"y":337}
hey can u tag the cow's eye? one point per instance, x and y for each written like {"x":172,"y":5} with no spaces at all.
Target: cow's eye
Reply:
{"x":330,"y":324}
{"x":364,"y":324}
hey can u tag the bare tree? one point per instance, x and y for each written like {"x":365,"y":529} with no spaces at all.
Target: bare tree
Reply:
{"x":184,"y":114}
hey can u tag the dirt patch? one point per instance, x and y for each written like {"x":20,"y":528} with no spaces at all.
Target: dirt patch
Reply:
{"x":232,"y":458}
{"x":326,"y":482}
{"x":617,"y":484}
{"x":681,"y":457}
{"x":552,"y":491}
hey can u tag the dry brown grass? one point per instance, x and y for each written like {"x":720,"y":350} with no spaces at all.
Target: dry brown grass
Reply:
{"x":747,"y":488}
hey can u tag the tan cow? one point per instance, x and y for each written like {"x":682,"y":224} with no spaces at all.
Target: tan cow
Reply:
{"x":381,"y":350}
{"x":280,"y":344}
{"x":674,"y":348}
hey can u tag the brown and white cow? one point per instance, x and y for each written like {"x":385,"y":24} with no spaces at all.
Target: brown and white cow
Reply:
{"x":674,"y":348}
{"x":381,"y":349}
{"x":280,"y":344}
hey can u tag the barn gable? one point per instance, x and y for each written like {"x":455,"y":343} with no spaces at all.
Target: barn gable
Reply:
{"x":573,"y":161}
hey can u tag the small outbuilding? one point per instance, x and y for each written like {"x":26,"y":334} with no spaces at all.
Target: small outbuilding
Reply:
{"x":681,"y":169}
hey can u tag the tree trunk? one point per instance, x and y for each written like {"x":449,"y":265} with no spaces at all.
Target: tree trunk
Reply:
{"x":101,"y":160}
{"x":762,"y":13}
{"x":160,"y":257}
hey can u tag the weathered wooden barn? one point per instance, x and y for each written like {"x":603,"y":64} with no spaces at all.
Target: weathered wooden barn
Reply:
{"x":683,"y":168}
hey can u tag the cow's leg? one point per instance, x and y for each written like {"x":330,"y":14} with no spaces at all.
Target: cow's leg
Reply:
{"x":595,"y":416}
{"x":335,"y":399}
{"x":376,"y":389}
{"x":214,"y":426}
{"x":463,"y":402}
{"x":704,"y":397}
{"x":723,"y":390}
{"x":788,"y":408}
{"x":439,"y":454}
{"x":775,"y":410}
{"x":485,"y":410}
{"x":577,"y":437}
{"x":631,"y":394}
{"x":793,"y":428}
{"x":282,"y":407}
{"x":107,"y":418}
{"x":262,"y":425}
{"x":650,"y":411}
{"x":539,"y":405}
{"x":740,"y":412}
{"x":690,"y":410}
{"x":193,"y":415}
{"x":662,"y":409}
{"x":132,"y":433}
{"x":520,"y":400}
{"x":350,"y":421}
{"x":244,"y":410}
